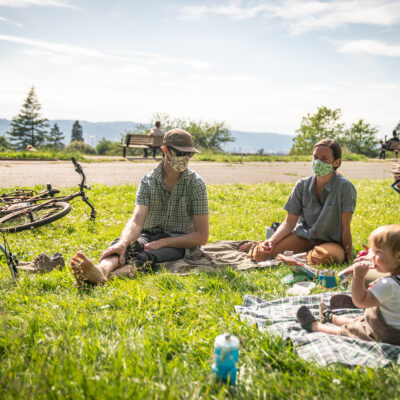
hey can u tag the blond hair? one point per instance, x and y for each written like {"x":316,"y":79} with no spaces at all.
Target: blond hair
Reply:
{"x":387,"y":236}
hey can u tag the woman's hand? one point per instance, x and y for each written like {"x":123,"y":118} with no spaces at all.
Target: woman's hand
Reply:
{"x":267,"y":246}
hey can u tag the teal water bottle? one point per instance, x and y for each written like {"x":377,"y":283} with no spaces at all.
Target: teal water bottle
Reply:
{"x":226,"y":355}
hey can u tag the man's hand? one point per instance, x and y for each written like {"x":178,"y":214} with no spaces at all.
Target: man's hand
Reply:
{"x":117,"y":249}
{"x":157,"y":244}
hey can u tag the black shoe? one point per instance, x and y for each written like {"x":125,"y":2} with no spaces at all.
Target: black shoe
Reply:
{"x":305,"y":318}
{"x":275,"y":225}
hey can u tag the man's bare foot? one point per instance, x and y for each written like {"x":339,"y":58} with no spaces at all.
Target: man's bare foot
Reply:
{"x":85,"y":271}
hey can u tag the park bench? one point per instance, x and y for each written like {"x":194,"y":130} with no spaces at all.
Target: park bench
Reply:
{"x":140,"y":142}
{"x":389,"y":145}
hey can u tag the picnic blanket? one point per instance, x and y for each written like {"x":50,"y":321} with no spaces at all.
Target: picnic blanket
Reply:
{"x":216,"y":255}
{"x":278,"y":317}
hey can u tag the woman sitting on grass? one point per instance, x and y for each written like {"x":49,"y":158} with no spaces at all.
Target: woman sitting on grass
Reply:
{"x":319,"y":212}
{"x":381,"y":320}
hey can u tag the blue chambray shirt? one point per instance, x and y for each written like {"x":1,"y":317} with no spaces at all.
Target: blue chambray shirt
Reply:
{"x":172,"y":213}
{"x":321,"y":220}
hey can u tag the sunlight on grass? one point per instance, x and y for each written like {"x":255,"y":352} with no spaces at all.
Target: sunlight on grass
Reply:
{"x":152,"y":337}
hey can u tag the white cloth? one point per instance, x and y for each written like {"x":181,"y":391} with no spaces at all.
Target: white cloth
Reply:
{"x":157,"y":132}
{"x":387,"y":292}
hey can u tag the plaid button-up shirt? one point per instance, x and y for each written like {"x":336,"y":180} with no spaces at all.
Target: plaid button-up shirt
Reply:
{"x":173,"y":212}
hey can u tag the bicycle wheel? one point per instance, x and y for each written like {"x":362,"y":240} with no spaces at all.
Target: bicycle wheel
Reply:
{"x":27,"y":219}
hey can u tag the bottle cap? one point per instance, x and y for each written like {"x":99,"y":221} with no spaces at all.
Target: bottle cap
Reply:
{"x":226,"y":340}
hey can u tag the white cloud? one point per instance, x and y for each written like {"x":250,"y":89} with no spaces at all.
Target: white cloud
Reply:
{"x":110,"y":90}
{"x":233,"y":10}
{"x":2,"y":19}
{"x":153,"y":59}
{"x":65,"y":53}
{"x":43,"y":3}
{"x":59,"y":48}
{"x":305,"y":15}
{"x":371,"y":47}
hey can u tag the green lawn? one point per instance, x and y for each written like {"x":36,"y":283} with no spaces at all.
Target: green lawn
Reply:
{"x":203,"y":156}
{"x":152,"y":337}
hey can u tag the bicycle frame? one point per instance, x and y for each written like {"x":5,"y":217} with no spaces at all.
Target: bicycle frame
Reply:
{"x":10,"y":258}
{"x":40,"y":199}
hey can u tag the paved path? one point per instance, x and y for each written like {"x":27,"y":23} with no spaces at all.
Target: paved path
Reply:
{"x":30,"y":173}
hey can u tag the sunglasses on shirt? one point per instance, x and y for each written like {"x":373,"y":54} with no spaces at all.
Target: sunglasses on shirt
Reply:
{"x":180,"y":153}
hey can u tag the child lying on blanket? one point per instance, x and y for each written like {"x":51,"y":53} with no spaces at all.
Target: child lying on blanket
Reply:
{"x":381,"y":320}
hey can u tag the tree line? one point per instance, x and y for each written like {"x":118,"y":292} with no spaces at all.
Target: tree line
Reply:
{"x":359,"y":138}
{"x":29,"y":128}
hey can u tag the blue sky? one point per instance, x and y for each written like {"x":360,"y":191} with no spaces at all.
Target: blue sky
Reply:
{"x":259,"y":65}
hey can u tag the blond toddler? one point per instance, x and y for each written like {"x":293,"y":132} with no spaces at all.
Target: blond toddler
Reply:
{"x":381,"y":301}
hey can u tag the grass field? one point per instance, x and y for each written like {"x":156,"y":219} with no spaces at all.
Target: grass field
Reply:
{"x":203,"y":156}
{"x":152,"y":337}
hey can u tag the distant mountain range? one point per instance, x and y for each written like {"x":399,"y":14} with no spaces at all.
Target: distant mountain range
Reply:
{"x":245,"y":142}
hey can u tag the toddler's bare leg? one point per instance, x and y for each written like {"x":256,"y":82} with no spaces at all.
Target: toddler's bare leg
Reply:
{"x":339,"y":320}
{"x":332,"y":330}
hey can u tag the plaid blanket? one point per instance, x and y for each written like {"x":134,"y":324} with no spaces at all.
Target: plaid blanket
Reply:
{"x":279,"y":317}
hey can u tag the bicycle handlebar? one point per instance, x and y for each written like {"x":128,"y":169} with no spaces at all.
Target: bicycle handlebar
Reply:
{"x":79,"y":170}
{"x":82,"y":186}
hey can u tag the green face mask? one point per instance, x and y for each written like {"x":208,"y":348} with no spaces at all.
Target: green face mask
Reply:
{"x":320,"y":168}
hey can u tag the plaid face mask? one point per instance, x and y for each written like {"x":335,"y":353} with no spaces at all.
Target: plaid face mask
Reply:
{"x":320,"y":168}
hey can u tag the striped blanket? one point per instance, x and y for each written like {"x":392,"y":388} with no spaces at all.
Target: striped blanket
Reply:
{"x":279,"y":317}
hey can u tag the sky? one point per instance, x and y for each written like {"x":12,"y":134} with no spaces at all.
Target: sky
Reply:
{"x":258,"y":65}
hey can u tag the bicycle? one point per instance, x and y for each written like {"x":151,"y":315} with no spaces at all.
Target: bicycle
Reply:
{"x":11,"y":259}
{"x":25,"y":210}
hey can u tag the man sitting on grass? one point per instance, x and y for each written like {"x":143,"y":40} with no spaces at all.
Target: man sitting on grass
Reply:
{"x":170,"y":215}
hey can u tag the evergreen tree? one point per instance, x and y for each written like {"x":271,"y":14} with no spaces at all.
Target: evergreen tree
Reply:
{"x":77,"y":132}
{"x":28,"y":127}
{"x":4,"y":144}
{"x":55,"y":137}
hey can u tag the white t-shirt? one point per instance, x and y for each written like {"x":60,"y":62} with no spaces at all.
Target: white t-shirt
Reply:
{"x":157,"y":132}
{"x":387,"y":292}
